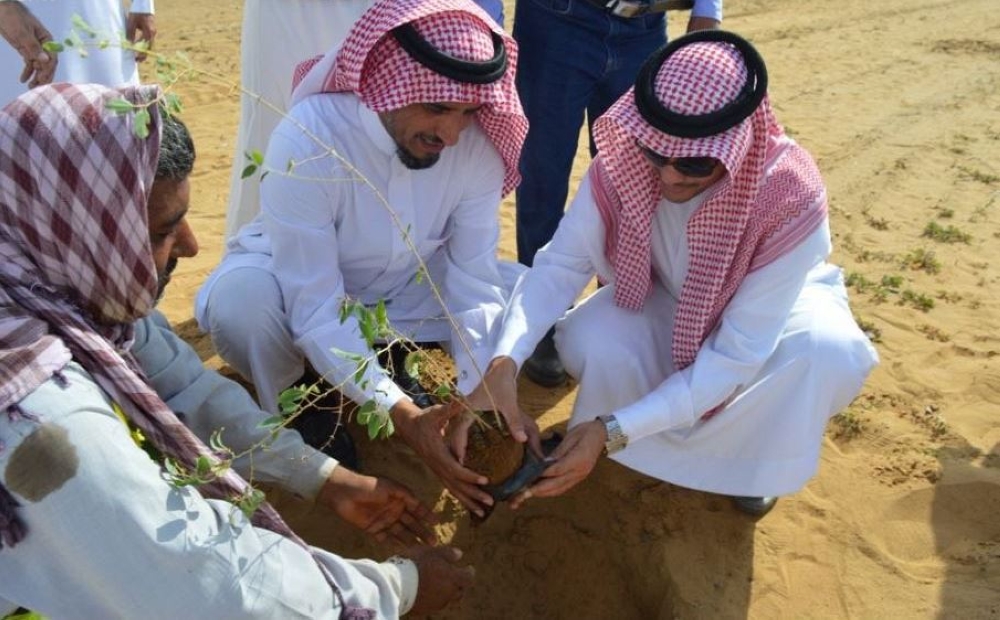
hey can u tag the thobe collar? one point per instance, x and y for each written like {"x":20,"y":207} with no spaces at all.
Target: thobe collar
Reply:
{"x":375,"y":130}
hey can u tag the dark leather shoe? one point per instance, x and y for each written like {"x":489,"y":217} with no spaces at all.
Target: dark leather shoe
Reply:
{"x":754,"y":506}
{"x":544,"y":366}
{"x":321,"y":430}
{"x":319,"y":423}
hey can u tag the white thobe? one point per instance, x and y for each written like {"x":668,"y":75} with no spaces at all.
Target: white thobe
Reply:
{"x":112,"y":66}
{"x":784,"y":357}
{"x":331,"y":230}
{"x":277,"y":36}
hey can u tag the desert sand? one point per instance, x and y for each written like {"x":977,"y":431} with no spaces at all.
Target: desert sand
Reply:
{"x":899,"y":101}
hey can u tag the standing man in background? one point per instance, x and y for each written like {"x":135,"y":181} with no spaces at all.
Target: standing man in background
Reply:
{"x":27,"y":26}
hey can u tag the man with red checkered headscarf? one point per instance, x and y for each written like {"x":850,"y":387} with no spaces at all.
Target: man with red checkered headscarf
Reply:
{"x":384,"y":179}
{"x":722,"y":340}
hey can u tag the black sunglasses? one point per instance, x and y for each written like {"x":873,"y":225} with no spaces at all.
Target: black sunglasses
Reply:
{"x":695,"y":167}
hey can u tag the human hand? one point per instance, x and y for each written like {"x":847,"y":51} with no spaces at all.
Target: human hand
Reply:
{"x":141,"y":27}
{"x":574,"y":460}
{"x":498,"y":392}
{"x":424,"y":431}
{"x":27,"y":35}
{"x":703,"y":23}
{"x":458,"y":432}
{"x":380,"y":507}
{"x":442,"y":581}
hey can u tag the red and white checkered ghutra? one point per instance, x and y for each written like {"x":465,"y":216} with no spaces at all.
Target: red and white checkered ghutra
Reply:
{"x":771,"y":198}
{"x":372,"y":64}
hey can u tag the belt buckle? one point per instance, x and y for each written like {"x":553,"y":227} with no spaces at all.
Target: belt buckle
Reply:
{"x":628,"y":8}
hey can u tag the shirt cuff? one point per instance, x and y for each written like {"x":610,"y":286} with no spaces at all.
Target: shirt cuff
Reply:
{"x":409,"y":580}
{"x":141,"y":6}
{"x":667,"y":407}
{"x":711,"y":9}
{"x":386,"y":393}
{"x":310,"y":481}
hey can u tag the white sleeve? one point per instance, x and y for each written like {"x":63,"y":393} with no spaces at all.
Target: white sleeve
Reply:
{"x":559,"y":273}
{"x":299,"y":208}
{"x":707,"y":8}
{"x":472,"y":287}
{"x":109,"y":537}
{"x":141,"y":6}
{"x":733,"y":354}
{"x":208,"y":402}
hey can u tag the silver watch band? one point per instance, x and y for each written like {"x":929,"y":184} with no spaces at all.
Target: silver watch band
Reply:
{"x":617,"y":439}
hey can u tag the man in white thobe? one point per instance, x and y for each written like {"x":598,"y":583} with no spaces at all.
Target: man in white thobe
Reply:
{"x":722,"y":341}
{"x":276,"y":36}
{"x":383,"y":182}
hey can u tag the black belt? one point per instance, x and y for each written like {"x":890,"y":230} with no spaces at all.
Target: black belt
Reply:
{"x":634,"y":8}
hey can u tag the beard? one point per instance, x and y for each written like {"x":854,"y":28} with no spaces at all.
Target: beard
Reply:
{"x":163,"y":278}
{"x":413,"y":162}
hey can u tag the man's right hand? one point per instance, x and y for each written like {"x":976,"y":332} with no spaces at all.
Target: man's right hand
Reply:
{"x":497,"y":392}
{"x":442,"y":580}
{"x":27,"y":35}
{"x":424,"y":431}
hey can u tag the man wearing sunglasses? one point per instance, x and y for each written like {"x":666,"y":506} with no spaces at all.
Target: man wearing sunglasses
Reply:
{"x":722,"y":341}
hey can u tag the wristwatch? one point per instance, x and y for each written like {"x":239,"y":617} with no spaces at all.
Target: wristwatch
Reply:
{"x":617,"y":440}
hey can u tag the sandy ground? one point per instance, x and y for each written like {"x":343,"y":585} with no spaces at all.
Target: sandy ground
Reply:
{"x":898,"y":102}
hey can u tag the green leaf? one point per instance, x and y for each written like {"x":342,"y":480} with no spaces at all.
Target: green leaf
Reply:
{"x":367,"y":326}
{"x":272,"y":422}
{"x":248,"y":171}
{"x":120,"y":106}
{"x":443,"y":392}
{"x":359,"y":374}
{"x":381,"y":316}
{"x":80,"y":24}
{"x":142,"y":122}
{"x":289,"y":399}
{"x":215,"y":441}
{"x":171,"y":466}
{"x":53,"y":46}
{"x":250,"y":501}
{"x":374,"y":426}
{"x":347,"y":355}
{"x":203,"y":466}
{"x":172,"y":102}
{"x":412,"y":363}
{"x":256,"y":157}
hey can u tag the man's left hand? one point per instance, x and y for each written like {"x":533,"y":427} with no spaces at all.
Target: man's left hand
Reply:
{"x":384,"y":509}
{"x":574,"y":459}
{"x":141,"y":27}
{"x":703,"y":23}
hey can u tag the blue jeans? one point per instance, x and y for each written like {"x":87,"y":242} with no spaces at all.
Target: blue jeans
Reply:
{"x":574,"y":57}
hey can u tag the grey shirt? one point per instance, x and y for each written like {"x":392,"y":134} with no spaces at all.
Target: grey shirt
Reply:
{"x":109,"y":537}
